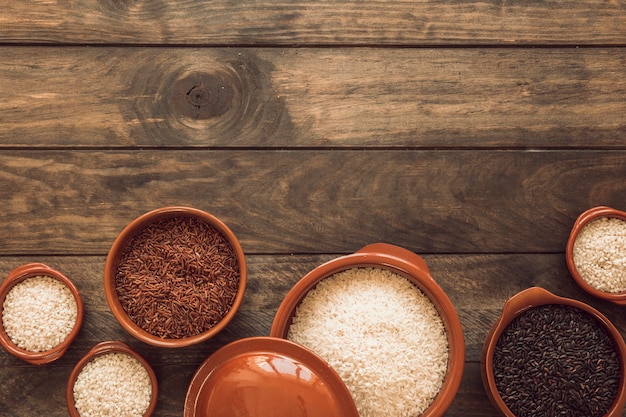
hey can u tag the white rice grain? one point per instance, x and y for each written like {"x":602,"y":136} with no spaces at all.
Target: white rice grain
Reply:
{"x":381,"y":334}
{"x":112,"y":385}
{"x":39,"y":313}
{"x":599,"y":254}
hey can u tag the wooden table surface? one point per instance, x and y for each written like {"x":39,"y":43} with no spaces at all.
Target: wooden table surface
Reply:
{"x":470,"y":132}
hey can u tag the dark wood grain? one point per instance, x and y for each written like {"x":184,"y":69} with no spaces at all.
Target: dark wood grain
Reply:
{"x":76,"y":202}
{"x":287,"y":98}
{"x":472,"y":133}
{"x":322,"y":23}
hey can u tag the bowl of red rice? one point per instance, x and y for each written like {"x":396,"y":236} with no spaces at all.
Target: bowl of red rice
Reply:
{"x":384,"y":324}
{"x":41,"y":311}
{"x":175,"y":276}
{"x":112,"y":379}
{"x":596,"y":253}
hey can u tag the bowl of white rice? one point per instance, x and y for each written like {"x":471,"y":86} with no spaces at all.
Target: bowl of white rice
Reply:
{"x":596,"y":253}
{"x":384,"y":324}
{"x":41,"y":312}
{"x":112,"y":379}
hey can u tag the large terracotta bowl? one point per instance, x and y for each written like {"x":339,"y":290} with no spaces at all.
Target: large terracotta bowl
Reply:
{"x":120,"y":245}
{"x":409,"y":265}
{"x":517,"y":305}
{"x":584,"y":219}
{"x":19,"y":275}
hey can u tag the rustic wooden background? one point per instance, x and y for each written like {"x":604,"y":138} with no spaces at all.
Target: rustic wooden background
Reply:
{"x":470,"y":132}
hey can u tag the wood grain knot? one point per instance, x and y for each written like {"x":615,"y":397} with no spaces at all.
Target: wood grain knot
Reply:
{"x":202,"y":96}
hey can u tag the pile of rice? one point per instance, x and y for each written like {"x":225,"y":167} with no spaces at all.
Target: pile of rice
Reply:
{"x":39,"y":313}
{"x":382,"y":335}
{"x":599,"y":254}
{"x":113,"y":385}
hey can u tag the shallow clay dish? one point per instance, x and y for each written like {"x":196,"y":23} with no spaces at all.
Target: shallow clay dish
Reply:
{"x":20,"y":274}
{"x":409,"y":265}
{"x":120,"y":245}
{"x":104,"y":348}
{"x":266,"y":376}
{"x":582,"y":220}
{"x":518,"y":304}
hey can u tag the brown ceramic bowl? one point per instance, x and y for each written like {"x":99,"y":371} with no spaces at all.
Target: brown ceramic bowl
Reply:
{"x":104,"y":348}
{"x":19,"y":275}
{"x":582,"y":220}
{"x":409,"y":265}
{"x":267,"y":376}
{"x":122,"y":243}
{"x":518,"y":304}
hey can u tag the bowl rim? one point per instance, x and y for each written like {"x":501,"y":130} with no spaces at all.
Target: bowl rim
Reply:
{"x":119,"y":245}
{"x":409,"y":265}
{"x":103,"y":348}
{"x":20,"y":274}
{"x":523,"y":301}
{"x":582,"y":220}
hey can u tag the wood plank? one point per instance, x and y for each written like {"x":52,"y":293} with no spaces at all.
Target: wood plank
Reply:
{"x":471,"y":399}
{"x":332,"y":201}
{"x":478,"y":286}
{"x":179,"y":97}
{"x":320,"y":23}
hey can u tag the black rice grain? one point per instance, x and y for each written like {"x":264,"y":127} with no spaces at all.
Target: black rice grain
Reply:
{"x":556,"y":360}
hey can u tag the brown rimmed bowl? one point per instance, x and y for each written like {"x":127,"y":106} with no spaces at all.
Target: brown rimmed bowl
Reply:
{"x":21,"y":274}
{"x":104,"y":348}
{"x":409,"y":265}
{"x":120,"y":246}
{"x":520,"y":303}
{"x":582,"y":220}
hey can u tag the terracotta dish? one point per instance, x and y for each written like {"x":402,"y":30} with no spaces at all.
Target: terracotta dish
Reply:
{"x":579,"y":224}
{"x":265,"y":376}
{"x":104,"y":348}
{"x":413,"y":267}
{"x":120,"y":245}
{"x":520,"y":303}
{"x":20,"y":274}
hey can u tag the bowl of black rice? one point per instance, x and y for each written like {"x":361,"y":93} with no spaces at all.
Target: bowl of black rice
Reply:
{"x":548,"y":355}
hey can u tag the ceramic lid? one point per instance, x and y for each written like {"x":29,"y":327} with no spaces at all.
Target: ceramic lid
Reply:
{"x":267,"y":376}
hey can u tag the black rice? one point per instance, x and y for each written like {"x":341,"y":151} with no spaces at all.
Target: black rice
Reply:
{"x":557,"y":360}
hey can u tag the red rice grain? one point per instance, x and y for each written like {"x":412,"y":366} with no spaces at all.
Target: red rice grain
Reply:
{"x":177,"y":278}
